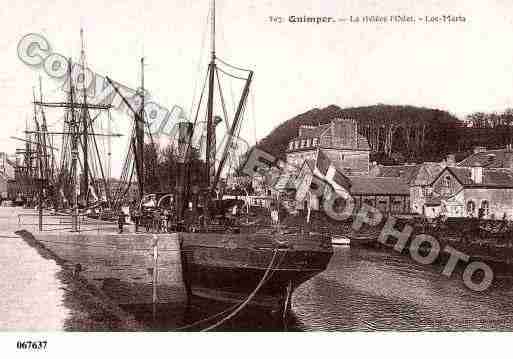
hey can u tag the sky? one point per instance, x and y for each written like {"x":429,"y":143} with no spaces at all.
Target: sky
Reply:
{"x":460,"y":67}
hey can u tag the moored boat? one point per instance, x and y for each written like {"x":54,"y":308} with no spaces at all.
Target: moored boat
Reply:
{"x":264,"y":267}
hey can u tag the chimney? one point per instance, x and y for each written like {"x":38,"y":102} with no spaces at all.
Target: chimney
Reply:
{"x":479,"y":149}
{"x":477,"y":174}
{"x":451,"y":160}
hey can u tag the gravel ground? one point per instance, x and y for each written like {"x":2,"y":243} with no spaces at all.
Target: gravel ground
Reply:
{"x":85,"y":308}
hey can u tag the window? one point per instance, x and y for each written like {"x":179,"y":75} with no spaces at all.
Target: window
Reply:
{"x":297,"y":144}
{"x":303,"y":144}
{"x":447,"y":181}
{"x":485,"y":206}
{"x":314,"y":142}
{"x":291,"y":145}
{"x":369,"y":202}
{"x":307,"y":142}
{"x":471,"y":207}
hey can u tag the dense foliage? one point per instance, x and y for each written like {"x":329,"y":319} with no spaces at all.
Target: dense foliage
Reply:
{"x":399,"y":134}
{"x":162,"y":169}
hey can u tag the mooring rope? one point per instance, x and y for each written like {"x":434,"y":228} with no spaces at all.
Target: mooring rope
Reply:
{"x":237,"y":307}
{"x":248,"y":299}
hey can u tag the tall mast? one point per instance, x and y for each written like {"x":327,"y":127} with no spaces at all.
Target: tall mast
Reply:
{"x":37,"y":159}
{"x":48,"y":156}
{"x":85,"y":125}
{"x":213,"y":29}
{"x":75,"y":130}
{"x":39,"y":165}
{"x":74,"y":152}
{"x":26,"y":160}
{"x":209,"y":160}
{"x":139,"y":133}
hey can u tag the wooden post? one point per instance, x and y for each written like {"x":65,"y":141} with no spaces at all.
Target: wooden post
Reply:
{"x":40,"y":214}
{"x":309,"y":207}
{"x":155,"y":275}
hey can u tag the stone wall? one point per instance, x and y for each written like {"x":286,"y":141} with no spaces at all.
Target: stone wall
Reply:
{"x":122,"y":265}
{"x":350,"y":162}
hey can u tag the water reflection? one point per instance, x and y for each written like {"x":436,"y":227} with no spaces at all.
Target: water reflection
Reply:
{"x":362,"y":289}
{"x":367,"y":290}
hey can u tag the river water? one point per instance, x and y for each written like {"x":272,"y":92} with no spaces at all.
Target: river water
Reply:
{"x":369,"y":290}
{"x":362,"y":290}
{"x":365,"y":289}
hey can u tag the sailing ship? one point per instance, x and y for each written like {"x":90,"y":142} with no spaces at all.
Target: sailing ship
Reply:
{"x":228,"y":261}
{"x":225,"y":258}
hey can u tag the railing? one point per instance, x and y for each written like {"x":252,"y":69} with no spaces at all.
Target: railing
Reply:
{"x":64,"y":221}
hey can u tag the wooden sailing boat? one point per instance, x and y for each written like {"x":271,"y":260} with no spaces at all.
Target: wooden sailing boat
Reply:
{"x":226,"y":261}
{"x":256,"y":266}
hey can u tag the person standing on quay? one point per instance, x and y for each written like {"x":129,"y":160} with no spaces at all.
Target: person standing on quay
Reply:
{"x":121,"y":221}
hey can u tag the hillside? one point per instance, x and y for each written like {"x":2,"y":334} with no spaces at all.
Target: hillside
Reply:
{"x":395,"y":133}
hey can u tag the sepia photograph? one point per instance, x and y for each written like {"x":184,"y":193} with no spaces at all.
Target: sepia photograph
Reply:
{"x":255,"y":167}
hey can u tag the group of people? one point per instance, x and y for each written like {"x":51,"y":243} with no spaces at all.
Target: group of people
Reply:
{"x":153,"y":221}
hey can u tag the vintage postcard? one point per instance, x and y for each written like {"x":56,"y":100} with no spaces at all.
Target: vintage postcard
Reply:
{"x":255,"y":166}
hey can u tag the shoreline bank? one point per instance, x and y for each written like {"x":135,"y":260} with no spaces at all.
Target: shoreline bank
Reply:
{"x":91,"y":310}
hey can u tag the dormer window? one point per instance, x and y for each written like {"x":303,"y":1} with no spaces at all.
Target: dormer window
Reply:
{"x":447,"y":181}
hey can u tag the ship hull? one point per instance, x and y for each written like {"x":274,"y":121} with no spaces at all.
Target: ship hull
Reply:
{"x":220,"y":267}
{"x":229,"y":268}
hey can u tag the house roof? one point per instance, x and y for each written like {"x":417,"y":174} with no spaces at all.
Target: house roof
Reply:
{"x":492,"y":177}
{"x":367,"y":185}
{"x":406,"y":172}
{"x":487,"y":159}
{"x":312,"y":131}
{"x":305,"y":132}
{"x":322,"y":162}
{"x":426,"y":174}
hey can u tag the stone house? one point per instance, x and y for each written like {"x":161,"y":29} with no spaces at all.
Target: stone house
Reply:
{"x":463,"y":191}
{"x":7,"y":174}
{"x":340,"y":142}
{"x":418,"y":177}
{"x":421,"y":190}
{"x":390,"y":195}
